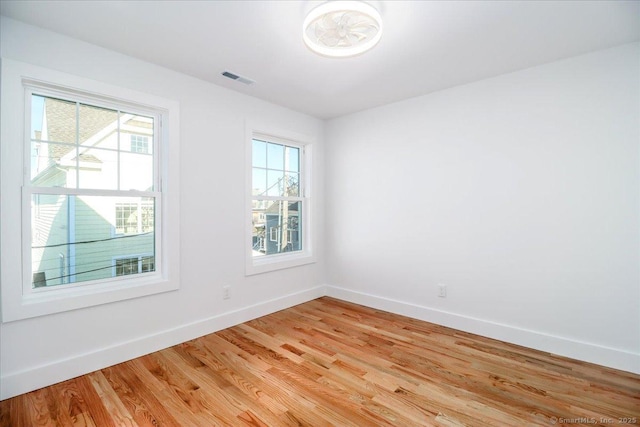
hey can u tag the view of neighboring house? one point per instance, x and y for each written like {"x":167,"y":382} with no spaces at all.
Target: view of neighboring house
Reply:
{"x":276,"y":228}
{"x":82,"y":158}
{"x":282,"y":221}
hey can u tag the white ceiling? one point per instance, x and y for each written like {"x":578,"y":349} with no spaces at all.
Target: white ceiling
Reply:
{"x":426,"y":45}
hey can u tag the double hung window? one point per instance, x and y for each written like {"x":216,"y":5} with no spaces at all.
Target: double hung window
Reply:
{"x":93,"y":188}
{"x":277,"y":204}
{"x":280,"y":204}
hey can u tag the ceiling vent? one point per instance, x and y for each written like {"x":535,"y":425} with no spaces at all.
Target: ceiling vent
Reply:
{"x":237,"y":78}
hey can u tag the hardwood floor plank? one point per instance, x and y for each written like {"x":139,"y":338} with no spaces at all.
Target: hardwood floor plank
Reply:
{"x":92,"y":404}
{"x":332,"y":363}
{"x":70,"y":408}
{"x":250,"y":402}
{"x":37,"y":405}
{"x":112,"y":403}
{"x":15,"y":412}
{"x":137,"y":397}
{"x":180,"y":397}
{"x":292,"y":409}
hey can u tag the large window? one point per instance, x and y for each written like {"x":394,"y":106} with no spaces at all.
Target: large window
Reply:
{"x":279,"y":203}
{"x":90,"y":207}
{"x":84,"y":168}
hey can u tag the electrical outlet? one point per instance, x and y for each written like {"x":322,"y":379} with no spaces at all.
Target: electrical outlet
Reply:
{"x":442,"y":291}
{"x":226,"y":292}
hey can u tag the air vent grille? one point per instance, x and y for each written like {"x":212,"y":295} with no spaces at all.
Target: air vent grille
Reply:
{"x":238,"y":78}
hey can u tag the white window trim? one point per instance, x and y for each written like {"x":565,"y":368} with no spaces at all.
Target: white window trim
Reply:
{"x":17,"y":304}
{"x":267,"y":263}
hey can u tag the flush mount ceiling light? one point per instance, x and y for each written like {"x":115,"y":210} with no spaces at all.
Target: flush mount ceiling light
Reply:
{"x":342,"y":28}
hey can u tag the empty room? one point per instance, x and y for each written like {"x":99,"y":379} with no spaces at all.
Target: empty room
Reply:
{"x":319,"y":213}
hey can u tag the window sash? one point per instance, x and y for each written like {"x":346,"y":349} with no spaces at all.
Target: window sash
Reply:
{"x":80,"y":98}
{"x":28,"y":278}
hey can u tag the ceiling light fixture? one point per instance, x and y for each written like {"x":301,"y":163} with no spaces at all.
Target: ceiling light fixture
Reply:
{"x":342,"y":28}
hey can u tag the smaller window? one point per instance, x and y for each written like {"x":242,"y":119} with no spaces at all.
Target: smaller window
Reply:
{"x":139,"y":144}
{"x":134,"y":265}
{"x":126,"y":218}
{"x":126,"y":266}
{"x":279,"y":205}
{"x":135,"y":218}
{"x":147,"y":264}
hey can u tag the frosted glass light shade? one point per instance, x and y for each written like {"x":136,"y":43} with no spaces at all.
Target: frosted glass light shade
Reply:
{"x":342,"y":28}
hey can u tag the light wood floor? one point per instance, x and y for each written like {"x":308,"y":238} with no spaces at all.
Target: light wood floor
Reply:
{"x":328,"y":362}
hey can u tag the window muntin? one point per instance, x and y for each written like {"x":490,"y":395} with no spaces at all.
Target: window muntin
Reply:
{"x":83,"y":171}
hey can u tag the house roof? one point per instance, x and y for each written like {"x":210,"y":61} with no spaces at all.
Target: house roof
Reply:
{"x":95,"y":124}
{"x":60,"y":119}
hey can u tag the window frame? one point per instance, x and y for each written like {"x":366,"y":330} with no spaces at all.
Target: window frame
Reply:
{"x":28,"y":189}
{"x":306,"y":255}
{"x":20,"y":300}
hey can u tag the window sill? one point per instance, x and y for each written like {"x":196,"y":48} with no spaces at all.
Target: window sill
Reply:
{"x":57,"y":299}
{"x":267,"y":263}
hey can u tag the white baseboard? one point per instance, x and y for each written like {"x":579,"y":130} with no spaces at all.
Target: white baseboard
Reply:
{"x":17,"y":383}
{"x":587,"y":352}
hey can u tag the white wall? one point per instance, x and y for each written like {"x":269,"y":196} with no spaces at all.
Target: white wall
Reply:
{"x":520,"y":193}
{"x":43,"y":350}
